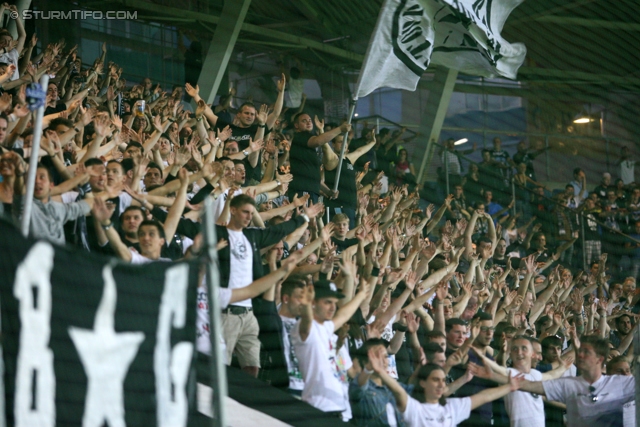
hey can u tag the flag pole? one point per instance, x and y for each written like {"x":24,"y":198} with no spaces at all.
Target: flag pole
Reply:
{"x":354,"y":100}
{"x":218,"y":368}
{"x":33,"y":162}
{"x":352,"y":109}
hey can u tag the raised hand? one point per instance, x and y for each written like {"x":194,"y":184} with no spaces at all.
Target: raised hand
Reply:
{"x":256,"y":145}
{"x":262,"y":115}
{"x":327,"y":232}
{"x":101,"y":212}
{"x":191,"y":91}
{"x":313,"y":210}
{"x":319,"y":123}
{"x":282,"y":83}
{"x":410,"y":280}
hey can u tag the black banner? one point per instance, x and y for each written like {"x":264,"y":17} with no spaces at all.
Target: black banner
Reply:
{"x":88,"y":341}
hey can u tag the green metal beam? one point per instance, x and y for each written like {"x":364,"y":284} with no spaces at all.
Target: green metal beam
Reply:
{"x":591,"y":23}
{"x":249,"y":28}
{"x":579,"y":75}
{"x":215,"y":63}
{"x":437,"y":104}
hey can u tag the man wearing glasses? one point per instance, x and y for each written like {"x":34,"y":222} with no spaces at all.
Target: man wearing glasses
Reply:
{"x":592,"y":399}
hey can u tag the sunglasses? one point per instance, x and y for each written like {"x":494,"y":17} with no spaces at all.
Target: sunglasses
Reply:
{"x":592,"y":395}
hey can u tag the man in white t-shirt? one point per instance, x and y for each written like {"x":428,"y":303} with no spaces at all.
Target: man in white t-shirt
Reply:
{"x":240,"y":264}
{"x":312,"y":341}
{"x":592,"y":399}
{"x":229,"y":296}
{"x":524,"y":409}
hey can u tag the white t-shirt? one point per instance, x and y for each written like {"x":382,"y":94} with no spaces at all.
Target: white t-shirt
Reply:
{"x":418,"y":414}
{"x":136,"y":258}
{"x":525,"y":409}
{"x":203,"y":330}
{"x":12,"y":57}
{"x":627,"y":171}
{"x":241,"y":272}
{"x":317,"y":358}
{"x":293,"y":367}
{"x":296,"y":88}
{"x":612,"y":393}
{"x":387,"y":334}
{"x":344,"y":363}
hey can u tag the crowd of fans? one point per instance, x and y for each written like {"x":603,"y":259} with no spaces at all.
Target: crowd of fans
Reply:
{"x":366,"y":301}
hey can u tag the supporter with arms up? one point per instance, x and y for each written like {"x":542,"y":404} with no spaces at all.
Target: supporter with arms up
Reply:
{"x":47,"y":217}
{"x":592,"y":399}
{"x":151,"y":234}
{"x":305,"y":163}
{"x":427,"y":407}
{"x":240,"y":264}
{"x":524,"y":409}
{"x":311,"y":338}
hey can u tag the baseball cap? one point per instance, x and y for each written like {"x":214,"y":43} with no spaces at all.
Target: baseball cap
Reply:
{"x":325,"y":288}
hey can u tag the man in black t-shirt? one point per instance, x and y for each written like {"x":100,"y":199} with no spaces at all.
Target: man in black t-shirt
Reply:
{"x":305,"y":164}
{"x":248,"y":123}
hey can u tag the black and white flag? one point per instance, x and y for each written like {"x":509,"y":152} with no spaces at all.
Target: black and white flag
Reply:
{"x":90,"y":342}
{"x":460,"y":34}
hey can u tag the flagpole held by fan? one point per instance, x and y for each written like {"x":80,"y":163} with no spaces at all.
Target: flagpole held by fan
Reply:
{"x":36,"y":99}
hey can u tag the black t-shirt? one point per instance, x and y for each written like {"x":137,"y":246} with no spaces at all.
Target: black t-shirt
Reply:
{"x":348,"y":196}
{"x":341,"y":245}
{"x":305,"y":164}
{"x":242,"y":136}
{"x":591,"y":229}
{"x":386,"y":158}
{"x":60,"y":106}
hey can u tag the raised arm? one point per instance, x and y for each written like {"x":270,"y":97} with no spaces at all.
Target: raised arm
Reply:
{"x":102,"y":216}
{"x":264,"y":283}
{"x":319,"y":140}
{"x":277,"y":108}
{"x":344,"y":314}
{"x":175,"y":212}
{"x":491,"y":394}
{"x":377,"y":363}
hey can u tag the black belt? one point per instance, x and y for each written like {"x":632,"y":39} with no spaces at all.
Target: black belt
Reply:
{"x":235,"y":309}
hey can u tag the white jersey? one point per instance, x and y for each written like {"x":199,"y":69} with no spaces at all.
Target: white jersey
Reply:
{"x":317,"y":358}
{"x":600,"y":406}
{"x":525,"y":409}
{"x":418,"y":414}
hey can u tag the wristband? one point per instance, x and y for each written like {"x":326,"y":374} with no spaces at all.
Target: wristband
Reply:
{"x":375,"y":272}
{"x":12,"y":117}
{"x":399,"y":328}
{"x":106,"y":227}
{"x":368,"y":372}
{"x":305,"y":217}
{"x":262,"y":126}
{"x":245,"y":152}
{"x":278,"y":182}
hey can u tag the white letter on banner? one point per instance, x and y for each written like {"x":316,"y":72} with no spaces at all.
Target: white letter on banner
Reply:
{"x":171,"y":366}
{"x":35,"y":358}
{"x":106,"y":356}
